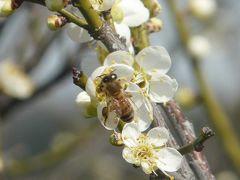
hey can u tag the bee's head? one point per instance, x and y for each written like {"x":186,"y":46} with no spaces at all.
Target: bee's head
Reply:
{"x":109,"y":78}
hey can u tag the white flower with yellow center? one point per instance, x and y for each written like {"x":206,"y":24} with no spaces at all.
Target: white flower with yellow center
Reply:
{"x":149,"y":150}
{"x":14,"y":82}
{"x":143,"y":114}
{"x":154,"y":62}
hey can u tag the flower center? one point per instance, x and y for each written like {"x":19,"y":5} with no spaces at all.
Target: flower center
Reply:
{"x":144,"y":151}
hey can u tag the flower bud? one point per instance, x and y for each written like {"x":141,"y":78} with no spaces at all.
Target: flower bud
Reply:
{"x":116,"y":139}
{"x":202,"y":9}
{"x":14,"y":82}
{"x":6,"y":8}
{"x":55,"y":5}
{"x":156,"y":8}
{"x":198,"y":46}
{"x":86,"y":107}
{"x":154,"y":25}
{"x":54,"y":22}
{"x":117,"y":13}
{"x":186,"y":97}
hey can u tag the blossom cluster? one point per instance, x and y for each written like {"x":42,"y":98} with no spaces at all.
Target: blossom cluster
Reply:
{"x":122,"y":90}
{"x":144,"y":78}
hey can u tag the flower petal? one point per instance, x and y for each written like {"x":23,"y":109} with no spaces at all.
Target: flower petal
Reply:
{"x":169,"y":159}
{"x":119,"y":57}
{"x":143,"y":118}
{"x":124,"y":32}
{"x":158,"y":136}
{"x":85,"y":105}
{"x":90,"y":86}
{"x":146,"y":167}
{"x":103,"y":5}
{"x":136,"y":95}
{"x":78,"y":34}
{"x":129,"y":156}
{"x":112,"y":120}
{"x":130,"y":133}
{"x":134,"y":12}
{"x":123,"y":71}
{"x":162,"y":90}
{"x":154,"y":58}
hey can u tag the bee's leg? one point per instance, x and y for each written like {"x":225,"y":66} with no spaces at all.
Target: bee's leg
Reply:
{"x":105,"y":114}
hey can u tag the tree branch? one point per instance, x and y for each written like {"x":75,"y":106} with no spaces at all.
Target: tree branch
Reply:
{"x":99,"y":29}
{"x":185,"y":131}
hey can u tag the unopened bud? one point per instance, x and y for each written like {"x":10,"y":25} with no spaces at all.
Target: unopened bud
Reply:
{"x":202,"y":9}
{"x":14,"y":81}
{"x":156,"y":8}
{"x":116,"y":139}
{"x":186,"y":97}
{"x":86,"y":107}
{"x":6,"y":8}
{"x":154,"y":25}
{"x":56,"y":5}
{"x":54,"y":22}
{"x":198,"y":46}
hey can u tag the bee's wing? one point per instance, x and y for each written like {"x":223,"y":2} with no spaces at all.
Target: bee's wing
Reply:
{"x":107,"y":116}
{"x":134,"y":93}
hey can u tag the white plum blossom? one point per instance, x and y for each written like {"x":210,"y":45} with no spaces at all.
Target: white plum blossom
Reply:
{"x":143,"y":114}
{"x":203,"y":9}
{"x":14,"y":81}
{"x":78,"y":34}
{"x":198,"y":46}
{"x":132,"y":13}
{"x":154,"y":62}
{"x":149,"y":150}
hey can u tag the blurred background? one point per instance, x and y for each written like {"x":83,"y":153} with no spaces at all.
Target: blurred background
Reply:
{"x":45,"y":137}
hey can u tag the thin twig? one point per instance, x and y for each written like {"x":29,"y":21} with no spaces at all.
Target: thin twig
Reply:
{"x":197,"y":144}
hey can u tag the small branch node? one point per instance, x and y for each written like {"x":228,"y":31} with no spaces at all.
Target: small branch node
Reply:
{"x":79,"y":78}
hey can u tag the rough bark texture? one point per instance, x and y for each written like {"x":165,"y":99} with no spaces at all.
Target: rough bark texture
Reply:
{"x":185,"y":131}
{"x":109,"y":38}
{"x":185,"y":172}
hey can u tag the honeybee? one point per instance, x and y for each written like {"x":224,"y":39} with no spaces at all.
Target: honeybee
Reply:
{"x":118,"y":100}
